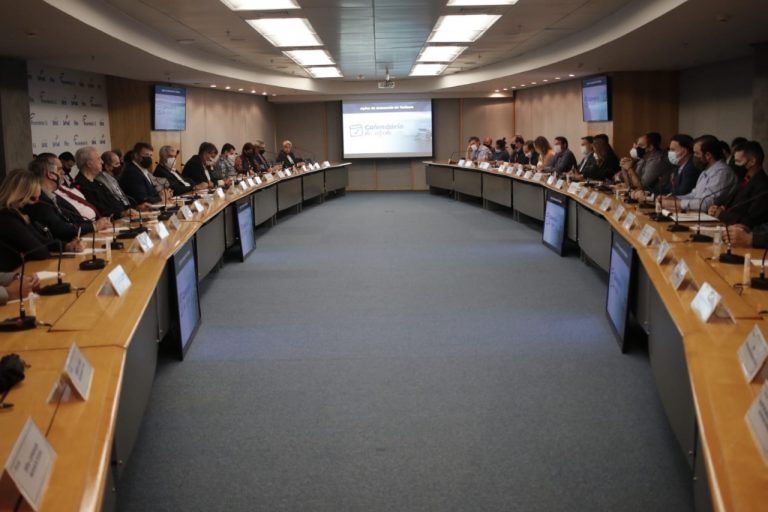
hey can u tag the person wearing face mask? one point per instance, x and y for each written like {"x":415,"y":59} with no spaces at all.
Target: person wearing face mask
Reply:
{"x":500,"y":153}
{"x":260,"y":161}
{"x":477,"y":152}
{"x":245,"y":163}
{"x":111,"y":168}
{"x":63,"y":221}
{"x":286,"y":156}
{"x":545,"y":151}
{"x":586,"y":169}
{"x":517,"y":156}
{"x":136,"y":179}
{"x":90,"y":165}
{"x":19,"y":233}
{"x":684,"y":174}
{"x":166,"y":168}
{"x":67,"y":160}
{"x":70,"y":194}
{"x":564,"y":159}
{"x":648,"y":169}
{"x":197,"y":169}
{"x":530,"y":154}
{"x":749,"y":205}
{"x":225,"y":165}
{"x":715,"y":184}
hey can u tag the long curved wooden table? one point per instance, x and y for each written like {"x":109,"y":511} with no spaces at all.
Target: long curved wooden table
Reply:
{"x":119,"y":335}
{"x":694,"y":364}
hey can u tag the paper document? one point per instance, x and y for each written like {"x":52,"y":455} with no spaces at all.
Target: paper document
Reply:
{"x":47,"y":274}
{"x":87,"y":252}
{"x":690,"y":216}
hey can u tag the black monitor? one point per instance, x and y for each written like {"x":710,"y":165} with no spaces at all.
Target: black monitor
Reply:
{"x":186,"y":293}
{"x":170,"y":108}
{"x":619,"y":287}
{"x":596,"y":99}
{"x":245,"y":228}
{"x":555,"y":218}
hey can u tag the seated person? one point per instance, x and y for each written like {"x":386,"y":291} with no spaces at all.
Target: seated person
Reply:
{"x":749,"y":206}
{"x":477,"y":152}
{"x":111,"y":168}
{"x":715,"y":184}
{"x":245,"y":162}
{"x":136,"y":179}
{"x":11,"y":288}
{"x":67,"y":160}
{"x":545,"y":151}
{"x":97,"y":193}
{"x":68,"y":192}
{"x":197,"y":170}
{"x":167,"y":169}
{"x":684,"y":174}
{"x":225,"y":165}
{"x":286,"y":156}
{"x":730,"y":159}
{"x":564,"y":159}
{"x":500,"y":153}
{"x":517,"y":156}
{"x":261,"y":163}
{"x":607,"y":161}
{"x":588,"y":164}
{"x":62,"y":220}
{"x":18,"y":233}
{"x":648,"y":168}
{"x":530,"y":154}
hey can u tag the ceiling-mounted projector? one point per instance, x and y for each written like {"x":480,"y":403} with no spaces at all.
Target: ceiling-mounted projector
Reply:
{"x":387,"y":84}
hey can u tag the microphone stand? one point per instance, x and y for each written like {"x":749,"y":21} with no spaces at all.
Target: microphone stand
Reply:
{"x":60,"y":287}
{"x":761,"y":283}
{"x":677,"y":227}
{"x":697,"y":236}
{"x":21,"y":322}
{"x":94,"y":263}
{"x":115,"y":244}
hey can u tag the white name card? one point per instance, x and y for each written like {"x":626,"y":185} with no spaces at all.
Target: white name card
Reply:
{"x":257,"y":180}
{"x":582,"y":193}
{"x":646,"y":235}
{"x":663,"y":250}
{"x":573,"y":188}
{"x":606,"y":204}
{"x":269,"y":177}
{"x":199,"y":206}
{"x":220,"y":193}
{"x":753,"y":354}
{"x":469,"y":163}
{"x":705,"y":302}
{"x":186,"y":211}
{"x":678,"y":274}
{"x":538,"y":176}
{"x":118,"y":280}
{"x":175,"y":222}
{"x":316,"y":166}
{"x":161,"y":231}
{"x":244,"y":185}
{"x":618,"y":212}
{"x":288,"y":172}
{"x":251,"y":183}
{"x":78,"y":371}
{"x":593,"y":197}
{"x":551,"y":180}
{"x":757,"y":418}
{"x":519,"y":172}
{"x":629,"y":221}
{"x":461,"y":162}
{"x":326,"y":164}
{"x":528,"y":175}
{"x":145,"y":243}
{"x":30,"y":463}
{"x":485,"y":165}
{"x":280,"y":174}
{"x":510,"y":170}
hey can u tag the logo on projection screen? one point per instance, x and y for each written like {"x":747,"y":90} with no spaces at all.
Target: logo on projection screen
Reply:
{"x":356,"y":130}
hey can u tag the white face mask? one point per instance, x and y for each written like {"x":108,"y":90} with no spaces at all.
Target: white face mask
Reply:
{"x":528,"y":155}
{"x":633,"y":153}
{"x":558,"y":148}
{"x":473,"y":147}
{"x":170,"y":162}
{"x":584,"y":150}
{"x":211,"y":161}
{"x":231,"y":158}
{"x":673,"y":159}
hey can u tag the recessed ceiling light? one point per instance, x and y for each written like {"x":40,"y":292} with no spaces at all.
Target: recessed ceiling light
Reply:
{"x":440,"y":53}
{"x":264,"y":93}
{"x":274,"y":94}
{"x":461,"y":28}
{"x":213,"y":85}
{"x":545,"y":80}
{"x":427,"y":69}
{"x":286,"y":32}
{"x":310,"y":57}
{"x":240,"y":89}
{"x":533,"y":83}
{"x":260,"y":5}
{"x":514,"y":87}
{"x":496,"y":90}
{"x":478,"y":3}
{"x":522,"y":85}
{"x":253,"y":91}
{"x":325,"y":72}
{"x":557,"y":78}
{"x":571,"y":75}
{"x":506,"y":89}
{"x":227,"y":87}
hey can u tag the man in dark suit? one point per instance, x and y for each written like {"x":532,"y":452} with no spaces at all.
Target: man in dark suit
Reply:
{"x":89,"y":162}
{"x":61,"y":218}
{"x":588,"y":167}
{"x":564,"y":159}
{"x":749,"y":206}
{"x":136,"y":179}
{"x":196,"y":168}
{"x":684,"y":176}
{"x":517,"y":152}
{"x":167,"y":169}
{"x":286,"y":156}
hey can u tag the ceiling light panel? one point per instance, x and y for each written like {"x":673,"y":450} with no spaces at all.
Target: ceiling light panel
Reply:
{"x":260,"y":5}
{"x":325,"y":72}
{"x":286,"y":32}
{"x":310,"y":57}
{"x":440,"y":53}
{"x":428,"y":69}
{"x":477,"y":3}
{"x":461,"y":28}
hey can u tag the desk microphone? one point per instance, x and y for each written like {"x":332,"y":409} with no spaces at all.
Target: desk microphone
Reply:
{"x":115,"y":245}
{"x":94,"y":263}
{"x":132,"y":232}
{"x":729,"y":257}
{"x":21,"y":322}
{"x":761,"y":283}
{"x":697,"y":236}
{"x":60,"y":287}
{"x":165,"y":214}
{"x":455,"y":153}
{"x":677,"y":227}
{"x":311,"y":158}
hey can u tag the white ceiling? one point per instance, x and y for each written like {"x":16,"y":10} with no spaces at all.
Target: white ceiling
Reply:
{"x":534,"y":40}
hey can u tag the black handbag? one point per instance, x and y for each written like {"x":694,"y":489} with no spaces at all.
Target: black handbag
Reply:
{"x":11,"y":371}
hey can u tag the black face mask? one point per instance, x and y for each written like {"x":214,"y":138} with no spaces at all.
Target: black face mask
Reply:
{"x":640,"y":152}
{"x":146,"y":162}
{"x":262,"y":151}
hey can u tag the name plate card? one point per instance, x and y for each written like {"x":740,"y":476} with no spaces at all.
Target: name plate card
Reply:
{"x":145,"y":243}
{"x":244,"y":185}
{"x":280,"y":174}
{"x":199,"y":206}
{"x":573,"y":188}
{"x":606,"y":204}
{"x":661,"y":253}
{"x":161,"y":231}
{"x":551,"y":180}
{"x":269,"y":177}
{"x":288,"y":172}
{"x":646,"y":235}
{"x":175,"y":222}
{"x":528,"y":175}
{"x":469,"y":163}
{"x":538,"y":176}
{"x":757,"y":418}
{"x":629,"y":221}
{"x":559,"y":184}
{"x":461,"y":162}
{"x":753,"y":354}
{"x":618,"y":212}
{"x":186,"y":211}
{"x":220,"y":193}
{"x":485,"y":165}
{"x":30,"y":463}
{"x":257,"y":180}
{"x":582,"y":193}
{"x":519,"y":172}
{"x":678,"y":274}
{"x":705,"y":302}
{"x":510,"y":170}
{"x":593,"y":197}
{"x":326,"y":164}
{"x":251,"y":183}
{"x":78,"y":372}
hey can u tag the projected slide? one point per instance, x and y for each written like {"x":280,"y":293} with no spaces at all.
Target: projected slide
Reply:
{"x":170,"y":108}
{"x":594,"y":98}
{"x":389,"y":129}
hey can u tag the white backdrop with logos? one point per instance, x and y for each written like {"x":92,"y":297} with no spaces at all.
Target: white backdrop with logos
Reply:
{"x":67,"y":109}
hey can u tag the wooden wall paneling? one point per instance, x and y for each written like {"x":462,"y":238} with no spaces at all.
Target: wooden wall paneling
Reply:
{"x":16,"y":140}
{"x":483,"y":117}
{"x":130,"y":111}
{"x":446,"y":118}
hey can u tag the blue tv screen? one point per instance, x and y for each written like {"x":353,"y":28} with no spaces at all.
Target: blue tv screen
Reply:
{"x":595,"y":99}
{"x":170,"y":108}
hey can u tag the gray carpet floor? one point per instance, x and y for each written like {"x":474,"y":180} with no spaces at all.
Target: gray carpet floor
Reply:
{"x":405,"y":352}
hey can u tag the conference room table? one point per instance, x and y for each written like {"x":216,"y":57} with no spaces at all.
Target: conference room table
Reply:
{"x":695,"y":365}
{"x":119,"y":335}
